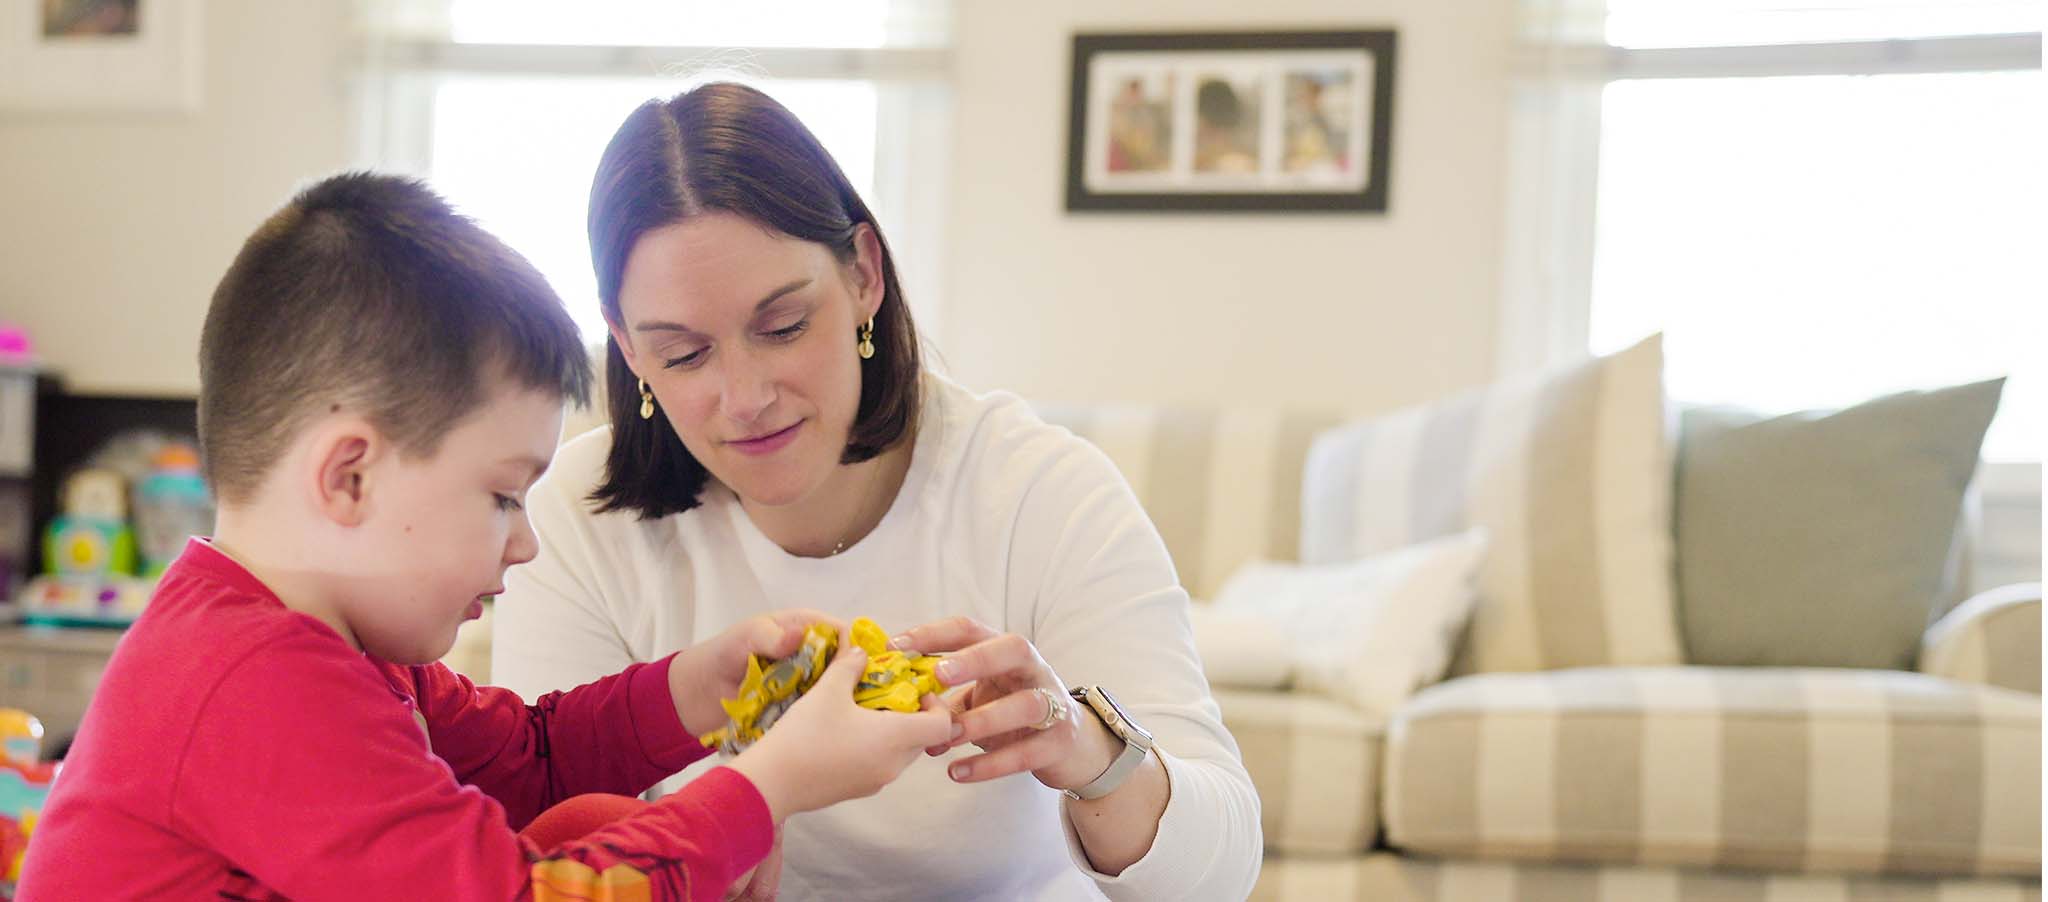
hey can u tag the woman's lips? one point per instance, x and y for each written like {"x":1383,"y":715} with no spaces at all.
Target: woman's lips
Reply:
{"x":768,"y":444}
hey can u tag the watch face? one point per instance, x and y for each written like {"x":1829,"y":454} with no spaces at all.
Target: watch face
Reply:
{"x":1131,"y":731}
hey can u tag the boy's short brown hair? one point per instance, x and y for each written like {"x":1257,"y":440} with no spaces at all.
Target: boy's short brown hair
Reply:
{"x":367,"y":292}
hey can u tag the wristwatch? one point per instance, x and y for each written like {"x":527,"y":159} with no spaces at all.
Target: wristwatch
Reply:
{"x":1137,"y":742}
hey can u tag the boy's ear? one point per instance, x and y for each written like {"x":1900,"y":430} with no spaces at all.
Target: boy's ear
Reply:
{"x":343,"y":457}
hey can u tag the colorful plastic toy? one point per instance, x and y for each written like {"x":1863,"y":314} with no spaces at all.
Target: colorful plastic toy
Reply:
{"x":21,"y":736}
{"x":91,"y":537}
{"x":24,"y":790}
{"x":893,"y":681}
{"x":171,"y":505}
{"x":88,"y":559}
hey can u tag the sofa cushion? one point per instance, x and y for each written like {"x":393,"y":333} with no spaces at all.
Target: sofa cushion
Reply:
{"x":1773,"y":770}
{"x":1820,"y":539}
{"x":1568,"y":472}
{"x":1222,"y":486}
{"x":1240,"y":649}
{"x":1388,"y":877}
{"x":1316,"y":765}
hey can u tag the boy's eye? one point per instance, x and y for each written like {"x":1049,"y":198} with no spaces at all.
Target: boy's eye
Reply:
{"x":507,"y":502}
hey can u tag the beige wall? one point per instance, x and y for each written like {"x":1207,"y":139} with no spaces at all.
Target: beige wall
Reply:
{"x":1339,"y":311}
{"x":1350,"y":312}
{"x":115,"y":226}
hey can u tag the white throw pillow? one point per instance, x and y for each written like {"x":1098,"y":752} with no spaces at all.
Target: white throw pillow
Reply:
{"x":1240,"y":649}
{"x":1372,"y":631}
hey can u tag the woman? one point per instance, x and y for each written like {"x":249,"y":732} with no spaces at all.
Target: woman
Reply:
{"x":775,"y":442}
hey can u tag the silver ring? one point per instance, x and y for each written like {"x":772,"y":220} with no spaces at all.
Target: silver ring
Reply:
{"x":1055,"y":709}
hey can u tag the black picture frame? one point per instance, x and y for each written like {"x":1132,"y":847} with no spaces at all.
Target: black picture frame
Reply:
{"x":1167,"y":82}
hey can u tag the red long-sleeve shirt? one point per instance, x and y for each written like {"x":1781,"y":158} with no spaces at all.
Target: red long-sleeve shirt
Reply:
{"x":236,"y":749}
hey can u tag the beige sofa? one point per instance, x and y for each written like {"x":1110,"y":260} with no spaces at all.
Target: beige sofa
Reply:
{"x":1623,"y":784}
{"x":1640,"y":783}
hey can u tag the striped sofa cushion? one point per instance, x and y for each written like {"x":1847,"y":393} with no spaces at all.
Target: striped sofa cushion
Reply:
{"x":1222,"y":486}
{"x":1316,"y":765}
{"x":1795,"y":770}
{"x":1386,"y":877}
{"x":1569,"y":472}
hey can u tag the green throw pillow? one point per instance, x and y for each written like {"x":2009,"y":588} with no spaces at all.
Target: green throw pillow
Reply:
{"x":1819,"y":539}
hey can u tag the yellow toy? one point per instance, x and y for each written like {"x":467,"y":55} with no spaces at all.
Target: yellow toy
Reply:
{"x":894,"y":681}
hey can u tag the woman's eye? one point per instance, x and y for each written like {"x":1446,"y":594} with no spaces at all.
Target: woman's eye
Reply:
{"x":687,"y":360}
{"x":507,"y":502}
{"x":790,"y":331}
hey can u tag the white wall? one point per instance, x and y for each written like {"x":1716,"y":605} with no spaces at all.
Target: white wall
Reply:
{"x":114,"y":227}
{"x":1332,"y":311}
{"x":1356,"y":312}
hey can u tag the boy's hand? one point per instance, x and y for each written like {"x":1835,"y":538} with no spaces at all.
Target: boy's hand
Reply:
{"x":761,"y":883}
{"x":704,"y":673}
{"x":826,"y":749}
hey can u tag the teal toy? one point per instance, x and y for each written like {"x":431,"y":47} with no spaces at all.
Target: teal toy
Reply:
{"x":171,"y":505}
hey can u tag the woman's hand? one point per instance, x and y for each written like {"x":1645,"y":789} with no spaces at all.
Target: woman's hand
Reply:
{"x":1017,"y":710}
{"x":709,"y":671}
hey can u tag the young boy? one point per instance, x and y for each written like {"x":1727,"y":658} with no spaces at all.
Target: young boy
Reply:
{"x":380,"y":383}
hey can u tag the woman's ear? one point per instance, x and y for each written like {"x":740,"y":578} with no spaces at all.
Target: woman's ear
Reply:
{"x":625,"y":347}
{"x":867,"y":271}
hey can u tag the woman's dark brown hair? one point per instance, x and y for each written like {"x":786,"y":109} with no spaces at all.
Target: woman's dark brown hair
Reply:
{"x":729,"y":148}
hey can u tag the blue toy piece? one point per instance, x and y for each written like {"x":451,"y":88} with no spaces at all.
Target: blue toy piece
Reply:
{"x":171,"y":505}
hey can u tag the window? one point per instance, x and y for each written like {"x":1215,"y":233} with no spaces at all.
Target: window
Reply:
{"x":1742,"y":23}
{"x":1813,"y":241}
{"x":506,"y":105}
{"x":1825,"y":200}
{"x":531,"y":186}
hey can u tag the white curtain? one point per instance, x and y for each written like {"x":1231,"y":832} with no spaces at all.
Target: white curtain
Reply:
{"x":1553,"y":171}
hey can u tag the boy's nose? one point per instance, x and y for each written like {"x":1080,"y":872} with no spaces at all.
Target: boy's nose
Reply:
{"x":522,"y":545}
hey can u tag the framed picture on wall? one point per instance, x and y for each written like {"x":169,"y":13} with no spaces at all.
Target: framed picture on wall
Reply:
{"x":99,"y":55}
{"x":1231,"y":121}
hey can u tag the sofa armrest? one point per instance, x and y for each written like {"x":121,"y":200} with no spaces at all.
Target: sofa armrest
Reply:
{"x":1994,"y":638}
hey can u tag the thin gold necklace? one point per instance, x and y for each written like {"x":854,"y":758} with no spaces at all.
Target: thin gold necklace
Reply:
{"x":841,"y":545}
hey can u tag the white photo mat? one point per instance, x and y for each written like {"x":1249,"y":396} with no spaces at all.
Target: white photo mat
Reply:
{"x":1178,"y":75}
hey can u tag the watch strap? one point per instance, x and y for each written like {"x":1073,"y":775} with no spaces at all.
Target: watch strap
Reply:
{"x":1119,"y":770}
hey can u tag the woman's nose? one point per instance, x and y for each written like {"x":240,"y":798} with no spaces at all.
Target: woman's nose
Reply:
{"x":747,"y":389}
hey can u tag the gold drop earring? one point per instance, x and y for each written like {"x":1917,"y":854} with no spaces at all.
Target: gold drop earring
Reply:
{"x":867,"y":340}
{"x":646,"y":401}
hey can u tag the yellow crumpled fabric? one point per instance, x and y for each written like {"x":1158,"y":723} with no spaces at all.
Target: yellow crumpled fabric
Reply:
{"x":893,"y":681}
